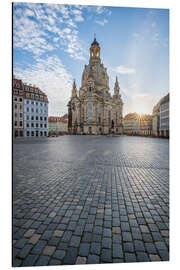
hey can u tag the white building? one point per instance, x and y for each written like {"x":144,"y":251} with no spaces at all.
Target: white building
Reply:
{"x":35,"y":112}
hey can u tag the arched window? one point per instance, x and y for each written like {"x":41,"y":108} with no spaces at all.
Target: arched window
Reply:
{"x":99,"y":114}
{"x":99,"y":110}
{"x":92,"y":53}
{"x":109,"y":117}
{"x":97,"y":52}
{"x":89,"y":113}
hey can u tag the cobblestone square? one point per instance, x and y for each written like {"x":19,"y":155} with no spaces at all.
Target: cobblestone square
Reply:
{"x":90,"y":199}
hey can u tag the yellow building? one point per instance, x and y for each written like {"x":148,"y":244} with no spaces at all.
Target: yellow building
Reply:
{"x":131,"y":124}
{"x":135,"y":124}
{"x":57,"y":125}
{"x":145,"y":124}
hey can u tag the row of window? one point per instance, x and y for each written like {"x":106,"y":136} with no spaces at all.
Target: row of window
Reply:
{"x":20,"y":123}
{"x":36,"y":125}
{"x":37,"y":133}
{"x":21,"y":92}
{"x":17,"y":105}
{"x":37,"y":103}
{"x":164,"y":106}
{"x":16,"y":115}
{"x":31,"y":89}
{"x":28,"y":124}
{"x":164,"y":114}
{"x":32,"y":117}
{"x":18,"y":92}
{"x":20,"y":133}
{"x":18,"y":99}
{"x":36,"y":118}
{"x":35,"y":110}
{"x":35,"y":96}
{"x":28,"y":109}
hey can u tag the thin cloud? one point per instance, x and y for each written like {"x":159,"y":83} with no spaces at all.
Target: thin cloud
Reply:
{"x":100,"y":9}
{"x":36,"y":26}
{"x":124,"y":70}
{"x":52,"y":77}
{"x":102,"y":23}
{"x":78,"y":18}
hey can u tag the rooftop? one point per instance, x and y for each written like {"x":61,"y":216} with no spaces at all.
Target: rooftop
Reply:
{"x":54,"y":119}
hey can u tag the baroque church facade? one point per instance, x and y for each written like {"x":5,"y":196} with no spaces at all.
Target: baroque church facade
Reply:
{"x":92,"y":109}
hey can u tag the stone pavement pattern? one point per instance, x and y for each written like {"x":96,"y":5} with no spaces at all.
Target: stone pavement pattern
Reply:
{"x":90,"y":199}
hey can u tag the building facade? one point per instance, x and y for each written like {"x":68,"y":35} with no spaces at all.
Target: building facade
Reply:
{"x":134,"y":124}
{"x":30,"y":111}
{"x":131,"y":124}
{"x":160,"y":118}
{"x":18,"y":108}
{"x":145,"y":124}
{"x":92,"y":109}
{"x":57,"y":125}
{"x":35,"y":112}
{"x":164,"y":117}
{"x":155,"y":120}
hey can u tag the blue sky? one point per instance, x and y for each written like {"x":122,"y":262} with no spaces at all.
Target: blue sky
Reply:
{"x":51,"y":47}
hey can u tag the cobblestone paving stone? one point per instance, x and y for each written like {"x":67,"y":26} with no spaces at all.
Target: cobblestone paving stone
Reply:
{"x":90,"y":199}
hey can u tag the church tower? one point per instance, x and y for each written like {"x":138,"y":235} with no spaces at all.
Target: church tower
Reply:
{"x":95,"y":51}
{"x":94,"y":73}
{"x":74,"y":90}
{"x":116,"y":87}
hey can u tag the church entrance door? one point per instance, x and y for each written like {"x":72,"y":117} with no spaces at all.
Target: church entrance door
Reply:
{"x":75,"y":130}
{"x":90,"y":130}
